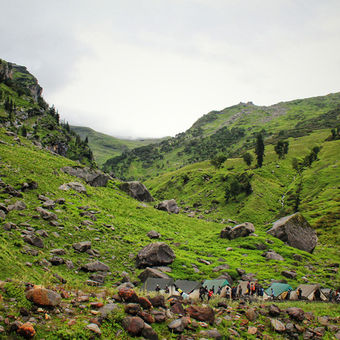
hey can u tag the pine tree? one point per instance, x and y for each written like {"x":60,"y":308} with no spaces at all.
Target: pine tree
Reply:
{"x":259,"y":150}
{"x":248,"y":158}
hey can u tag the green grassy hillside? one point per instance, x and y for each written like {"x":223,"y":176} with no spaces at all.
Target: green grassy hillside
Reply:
{"x":192,"y":239}
{"x":230,"y":131}
{"x":104,"y":146}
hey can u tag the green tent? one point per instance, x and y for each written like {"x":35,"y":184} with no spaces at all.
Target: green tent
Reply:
{"x":215,"y":283}
{"x":278,"y":289}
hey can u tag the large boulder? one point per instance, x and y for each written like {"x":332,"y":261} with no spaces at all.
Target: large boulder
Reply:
{"x":241,"y":230}
{"x":137,"y":190}
{"x":168,"y":205}
{"x":155,"y":254}
{"x":134,"y":325}
{"x":95,"y":178}
{"x":43,"y":297}
{"x":152,"y":272}
{"x":296,"y":231}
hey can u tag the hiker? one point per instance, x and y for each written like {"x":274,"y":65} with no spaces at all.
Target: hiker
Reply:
{"x":248,"y":288}
{"x":211,"y":293}
{"x":331,"y":293}
{"x":185,"y":296}
{"x":166,"y":290}
{"x":239,"y":294}
{"x":261,"y":291}
{"x":299,"y":293}
{"x":219,"y":290}
{"x":288,"y":294}
{"x":157,"y":289}
{"x":202,"y":293}
{"x":233,"y":292}
{"x":272,"y":293}
{"x":257,"y":286}
{"x":227,"y":293}
{"x":252,"y":288}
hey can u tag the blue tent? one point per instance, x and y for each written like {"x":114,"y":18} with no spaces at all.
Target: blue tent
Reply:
{"x":216,"y":284}
{"x":278,"y":289}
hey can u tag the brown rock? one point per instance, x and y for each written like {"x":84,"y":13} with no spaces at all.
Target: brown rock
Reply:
{"x":157,"y":301}
{"x":274,"y":310}
{"x":252,"y":330}
{"x":132,"y":308}
{"x":133,"y":325}
{"x":26,"y":330}
{"x":128,"y":295}
{"x":201,"y":313}
{"x":149,"y":333}
{"x":43,"y":297}
{"x":147,"y":317}
{"x":177,"y":308}
{"x":158,"y":315}
{"x":144,"y":302}
{"x":94,"y":328}
{"x":251,"y":314}
{"x":277,"y":325}
{"x":296,"y":313}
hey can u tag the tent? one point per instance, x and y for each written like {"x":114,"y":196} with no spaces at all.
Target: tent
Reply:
{"x":189,"y":287}
{"x":308,"y":292}
{"x":151,"y":283}
{"x":216,"y":284}
{"x":280,"y":290}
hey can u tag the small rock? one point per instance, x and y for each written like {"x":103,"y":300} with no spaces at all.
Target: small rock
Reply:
{"x":277,"y":325}
{"x":153,"y":234}
{"x":26,"y":330}
{"x":94,"y":328}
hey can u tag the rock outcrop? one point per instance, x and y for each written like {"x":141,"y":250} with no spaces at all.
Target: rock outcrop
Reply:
{"x":295,"y":231}
{"x":168,"y":205}
{"x":241,"y":230}
{"x":92,"y":177}
{"x":137,"y":190}
{"x":155,"y":254}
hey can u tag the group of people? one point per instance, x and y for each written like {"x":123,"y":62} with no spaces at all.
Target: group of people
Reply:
{"x":234,"y":292}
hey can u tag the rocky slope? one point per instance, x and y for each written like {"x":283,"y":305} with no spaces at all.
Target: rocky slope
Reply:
{"x":23,"y":111}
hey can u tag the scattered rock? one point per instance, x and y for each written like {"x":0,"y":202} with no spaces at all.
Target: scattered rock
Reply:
{"x":178,"y":325}
{"x":241,"y":230}
{"x":251,"y":314}
{"x":96,"y":266}
{"x":274,"y":310}
{"x":296,"y":313}
{"x":157,"y":301}
{"x":34,"y":241}
{"x":106,"y":310}
{"x":168,"y":205}
{"x":289,"y":274}
{"x":158,"y":315}
{"x":205,"y":314}
{"x":211,"y":334}
{"x":133,"y":325}
{"x":149,"y":333}
{"x":277,"y":325}
{"x":94,"y":328}
{"x":221,"y":267}
{"x":137,"y":190}
{"x":272,"y":255}
{"x":75,"y":186}
{"x":43,"y":297}
{"x":46,"y":215}
{"x":153,"y":234}
{"x":133,"y":308}
{"x":128,"y":295}
{"x":82,"y":246}
{"x":18,"y":205}
{"x":296,"y":231}
{"x":152,"y":272}
{"x":154,"y":254}
{"x":95,"y":178}
{"x":26,"y":330}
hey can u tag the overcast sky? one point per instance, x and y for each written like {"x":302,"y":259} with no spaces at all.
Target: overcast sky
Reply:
{"x":150,"y":68}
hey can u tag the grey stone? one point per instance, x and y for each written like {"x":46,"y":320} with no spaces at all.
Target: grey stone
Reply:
{"x":95,"y":178}
{"x":152,"y":272}
{"x":296,"y":231}
{"x":155,"y":254}
{"x":137,"y":190}
{"x":76,"y":186}
{"x":82,"y":246}
{"x":168,"y":205}
{"x":241,"y":230}
{"x":95,"y":267}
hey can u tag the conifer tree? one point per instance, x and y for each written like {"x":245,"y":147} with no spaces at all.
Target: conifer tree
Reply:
{"x":259,"y":150}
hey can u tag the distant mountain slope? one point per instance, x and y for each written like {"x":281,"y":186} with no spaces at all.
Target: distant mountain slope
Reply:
{"x":105,"y":146}
{"x":230,"y":131}
{"x":24,"y":111}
